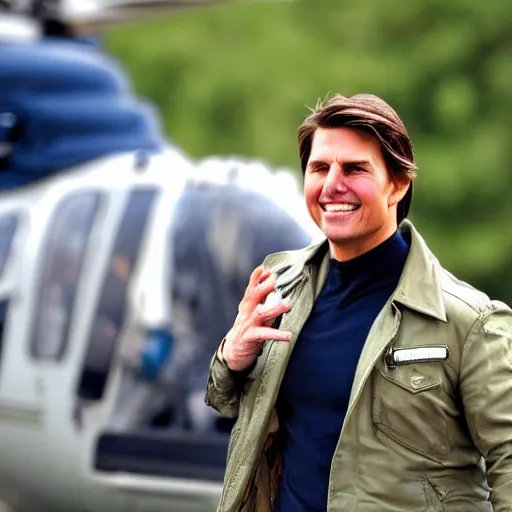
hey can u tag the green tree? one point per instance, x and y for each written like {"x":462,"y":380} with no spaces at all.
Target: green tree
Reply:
{"x":238,"y":80}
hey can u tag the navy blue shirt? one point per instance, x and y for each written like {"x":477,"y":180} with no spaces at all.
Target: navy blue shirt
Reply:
{"x":315,"y":392}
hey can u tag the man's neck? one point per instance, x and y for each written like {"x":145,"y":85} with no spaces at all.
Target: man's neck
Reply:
{"x":350,"y":249}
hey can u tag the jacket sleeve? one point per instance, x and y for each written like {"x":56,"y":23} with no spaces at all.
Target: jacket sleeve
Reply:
{"x":223,"y":388}
{"x":486,"y":389}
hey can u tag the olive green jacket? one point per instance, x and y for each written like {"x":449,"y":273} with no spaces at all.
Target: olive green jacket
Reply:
{"x":420,"y":434}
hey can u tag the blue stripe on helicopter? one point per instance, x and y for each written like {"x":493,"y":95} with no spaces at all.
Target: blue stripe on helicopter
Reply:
{"x":63,"y":103}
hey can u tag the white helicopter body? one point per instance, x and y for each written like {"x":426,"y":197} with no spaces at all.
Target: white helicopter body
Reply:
{"x":99,"y":311}
{"x":48,"y":432}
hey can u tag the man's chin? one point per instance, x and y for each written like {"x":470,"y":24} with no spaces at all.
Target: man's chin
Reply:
{"x":341,"y":235}
{"x":341,"y":238}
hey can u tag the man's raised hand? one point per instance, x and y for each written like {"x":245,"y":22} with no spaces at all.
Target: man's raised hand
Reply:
{"x":251,"y":329}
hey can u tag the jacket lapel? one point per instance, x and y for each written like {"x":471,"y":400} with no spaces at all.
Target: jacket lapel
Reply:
{"x":419,"y":289}
{"x":381,"y":334}
{"x":300,"y":282}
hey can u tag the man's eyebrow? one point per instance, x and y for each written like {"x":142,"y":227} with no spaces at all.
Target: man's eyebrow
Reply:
{"x":353,"y":163}
{"x":345,"y":164}
{"x":316,"y":163}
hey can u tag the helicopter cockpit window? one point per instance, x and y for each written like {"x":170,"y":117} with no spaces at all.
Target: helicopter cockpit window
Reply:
{"x":110,"y":313}
{"x":62,"y":258}
{"x":8,"y":224}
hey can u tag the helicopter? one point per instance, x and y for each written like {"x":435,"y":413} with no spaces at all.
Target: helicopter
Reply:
{"x":122,"y":261}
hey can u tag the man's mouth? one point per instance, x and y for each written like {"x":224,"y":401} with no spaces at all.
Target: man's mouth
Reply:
{"x":340,"y":207}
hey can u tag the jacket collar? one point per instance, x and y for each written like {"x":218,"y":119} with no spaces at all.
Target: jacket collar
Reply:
{"x":419,"y":287}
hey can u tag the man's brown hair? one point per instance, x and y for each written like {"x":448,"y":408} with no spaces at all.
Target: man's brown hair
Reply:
{"x":372,"y":115}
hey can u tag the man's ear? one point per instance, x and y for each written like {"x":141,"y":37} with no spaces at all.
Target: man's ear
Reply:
{"x":400,"y":184}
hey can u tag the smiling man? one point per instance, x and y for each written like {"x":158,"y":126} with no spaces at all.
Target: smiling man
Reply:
{"x":350,"y":193}
{"x":380,"y":383}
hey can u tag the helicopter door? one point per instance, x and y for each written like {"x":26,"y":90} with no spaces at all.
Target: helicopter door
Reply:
{"x":49,"y":255}
{"x":51,"y":279}
{"x":18,"y":396}
{"x":109,"y":317}
{"x":61,"y":275}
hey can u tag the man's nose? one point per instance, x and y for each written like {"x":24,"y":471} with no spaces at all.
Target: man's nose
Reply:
{"x":335,"y":179}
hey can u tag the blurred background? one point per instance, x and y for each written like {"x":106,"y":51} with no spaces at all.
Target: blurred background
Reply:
{"x":128,"y":233}
{"x":240,"y":78}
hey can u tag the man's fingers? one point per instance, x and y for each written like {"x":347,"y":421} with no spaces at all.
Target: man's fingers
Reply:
{"x":256,"y":295}
{"x":258,"y":275}
{"x":262,"y":334}
{"x":264,"y":314}
{"x":259,"y":293}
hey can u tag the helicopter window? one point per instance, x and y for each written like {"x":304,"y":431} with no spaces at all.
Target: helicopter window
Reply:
{"x":110,"y":313}
{"x":8,"y":224}
{"x":62,"y":259}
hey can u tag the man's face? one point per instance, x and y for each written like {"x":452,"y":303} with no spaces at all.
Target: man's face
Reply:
{"x":349,"y":192}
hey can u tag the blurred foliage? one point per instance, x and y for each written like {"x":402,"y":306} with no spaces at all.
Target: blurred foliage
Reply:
{"x":238,"y":80}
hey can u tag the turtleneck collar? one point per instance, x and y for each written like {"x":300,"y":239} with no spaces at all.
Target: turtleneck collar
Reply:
{"x":386,"y":258}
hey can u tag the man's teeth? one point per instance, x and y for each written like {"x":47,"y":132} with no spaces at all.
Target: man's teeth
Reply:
{"x":340,"y":207}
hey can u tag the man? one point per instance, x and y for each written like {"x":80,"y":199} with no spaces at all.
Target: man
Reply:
{"x":385,"y":384}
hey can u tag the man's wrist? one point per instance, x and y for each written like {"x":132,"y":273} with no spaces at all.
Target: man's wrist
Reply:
{"x":222,"y":360}
{"x":220,"y":355}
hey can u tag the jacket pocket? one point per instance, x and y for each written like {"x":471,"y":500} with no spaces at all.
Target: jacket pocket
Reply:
{"x":409,"y":406}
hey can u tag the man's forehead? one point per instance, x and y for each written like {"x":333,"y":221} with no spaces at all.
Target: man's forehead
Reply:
{"x":344,"y":144}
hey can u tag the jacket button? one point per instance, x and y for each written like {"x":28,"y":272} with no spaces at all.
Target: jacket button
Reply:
{"x":417,"y":381}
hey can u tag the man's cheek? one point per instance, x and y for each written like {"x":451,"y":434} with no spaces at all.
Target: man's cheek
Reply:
{"x":365,"y":190}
